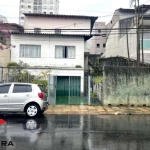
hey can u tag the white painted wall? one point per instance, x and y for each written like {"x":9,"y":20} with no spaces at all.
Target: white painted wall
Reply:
{"x":48,"y":54}
{"x":98,"y":39}
{"x":48,"y":50}
{"x":116,"y":46}
{"x":62,"y":72}
{"x":58,"y":22}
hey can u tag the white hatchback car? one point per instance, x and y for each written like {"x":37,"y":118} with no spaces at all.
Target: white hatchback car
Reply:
{"x":23,"y":97}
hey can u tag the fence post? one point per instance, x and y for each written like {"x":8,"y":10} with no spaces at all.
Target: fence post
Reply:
{"x":103,"y":86}
{"x":48,"y":88}
{"x":89,"y":90}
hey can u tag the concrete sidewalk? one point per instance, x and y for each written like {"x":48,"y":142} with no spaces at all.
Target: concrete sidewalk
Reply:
{"x":102,"y":110}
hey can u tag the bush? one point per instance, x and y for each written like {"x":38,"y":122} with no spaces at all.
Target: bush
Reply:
{"x":78,"y":66}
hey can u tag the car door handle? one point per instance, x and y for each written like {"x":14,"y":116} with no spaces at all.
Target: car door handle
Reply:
{"x":5,"y":96}
{"x":27,"y":95}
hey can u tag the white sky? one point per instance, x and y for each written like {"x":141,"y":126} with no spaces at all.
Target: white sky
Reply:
{"x":102,"y":8}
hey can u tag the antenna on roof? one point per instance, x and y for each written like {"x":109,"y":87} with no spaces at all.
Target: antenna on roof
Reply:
{"x":131,"y":2}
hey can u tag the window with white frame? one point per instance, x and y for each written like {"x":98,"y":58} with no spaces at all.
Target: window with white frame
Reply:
{"x":51,"y":1}
{"x":30,"y":51}
{"x":45,"y":1}
{"x":65,"y":52}
{"x":57,"y":31}
{"x":51,"y":7}
{"x":44,"y":7}
{"x":37,"y":30}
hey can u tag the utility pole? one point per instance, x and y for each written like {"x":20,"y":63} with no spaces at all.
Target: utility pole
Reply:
{"x":137,"y":17}
{"x":128,"y":47}
{"x":142,"y":39}
{"x":138,"y":33}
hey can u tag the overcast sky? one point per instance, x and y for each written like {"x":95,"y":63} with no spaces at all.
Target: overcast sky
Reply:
{"x":102,"y":8}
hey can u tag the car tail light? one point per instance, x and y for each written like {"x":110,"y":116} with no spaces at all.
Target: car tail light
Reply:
{"x":40,"y":95}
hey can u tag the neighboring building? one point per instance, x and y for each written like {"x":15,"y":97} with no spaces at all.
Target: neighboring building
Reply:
{"x":5,"y":46}
{"x":97,"y":43}
{"x":64,"y":52}
{"x":3,"y":19}
{"x":116,"y":44}
{"x":37,"y":6}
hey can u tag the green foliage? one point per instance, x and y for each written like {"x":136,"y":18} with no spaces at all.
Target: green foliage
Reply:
{"x":17,"y":71}
{"x":78,"y":66}
{"x":11,"y":64}
{"x":97,"y":79}
{"x":93,"y":94}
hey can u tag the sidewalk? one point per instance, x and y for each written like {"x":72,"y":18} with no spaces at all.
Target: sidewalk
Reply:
{"x":95,"y":110}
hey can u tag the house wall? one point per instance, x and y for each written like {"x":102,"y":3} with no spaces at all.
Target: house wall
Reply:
{"x":117,"y":46}
{"x":4,"y":57}
{"x":48,"y":54}
{"x":98,"y":39}
{"x":54,"y":23}
{"x":48,"y":50}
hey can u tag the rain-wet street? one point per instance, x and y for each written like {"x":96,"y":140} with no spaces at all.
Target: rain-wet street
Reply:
{"x":75,"y":132}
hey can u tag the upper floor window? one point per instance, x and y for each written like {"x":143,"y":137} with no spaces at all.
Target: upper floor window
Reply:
{"x":30,"y":51}
{"x":51,"y":12}
{"x":98,"y":45}
{"x":51,"y":1}
{"x":45,"y":1}
{"x":44,"y":7}
{"x":99,"y":31}
{"x":57,"y":31}
{"x":37,"y":2}
{"x":104,"y":45}
{"x":37,"y":30}
{"x":51,"y":7}
{"x":29,"y":6}
{"x":65,"y":52}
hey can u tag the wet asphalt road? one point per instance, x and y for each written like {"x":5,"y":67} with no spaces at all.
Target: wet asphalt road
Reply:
{"x":76,"y":132}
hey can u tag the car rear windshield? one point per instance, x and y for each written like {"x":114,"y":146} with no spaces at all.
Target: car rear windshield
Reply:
{"x":41,"y":88}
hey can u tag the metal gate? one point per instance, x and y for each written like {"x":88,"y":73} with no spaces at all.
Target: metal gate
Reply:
{"x":52,"y":81}
{"x":67,"y":90}
{"x":74,"y":90}
{"x":96,"y":90}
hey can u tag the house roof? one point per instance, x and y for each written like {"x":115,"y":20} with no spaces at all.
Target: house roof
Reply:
{"x":60,"y":16}
{"x":16,"y":25}
{"x":93,"y":18}
{"x":86,"y":37}
{"x":126,"y":10}
{"x":144,"y":7}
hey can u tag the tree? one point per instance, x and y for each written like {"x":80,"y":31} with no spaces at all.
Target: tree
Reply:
{"x":18,"y":72}
{"x":4,"y":36}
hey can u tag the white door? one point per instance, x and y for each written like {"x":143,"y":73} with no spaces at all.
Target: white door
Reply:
{"x":20,"y":94}
{"x":4,"y":96}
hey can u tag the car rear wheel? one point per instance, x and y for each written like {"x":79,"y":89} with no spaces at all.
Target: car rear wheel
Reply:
{"x":32,"y":110}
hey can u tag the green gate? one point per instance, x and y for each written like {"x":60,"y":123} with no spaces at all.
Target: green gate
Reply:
{"x":68,"y":90}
